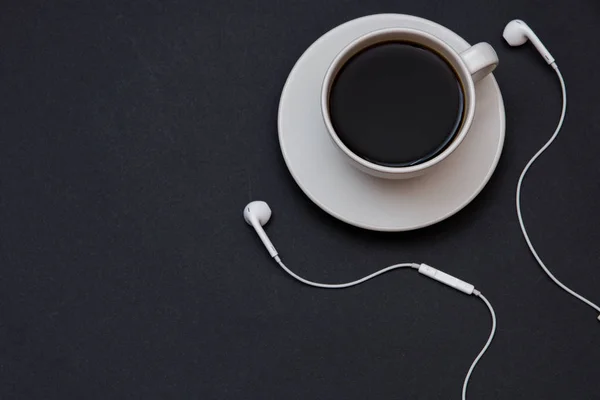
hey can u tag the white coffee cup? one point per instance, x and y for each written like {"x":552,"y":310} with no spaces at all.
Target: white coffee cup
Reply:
{"x":470,"y":66}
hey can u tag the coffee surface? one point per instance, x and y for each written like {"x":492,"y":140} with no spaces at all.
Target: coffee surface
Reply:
{"x":396,"y":104}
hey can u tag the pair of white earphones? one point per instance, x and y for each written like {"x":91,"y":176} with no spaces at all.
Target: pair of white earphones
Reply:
{"x":258,"y":213}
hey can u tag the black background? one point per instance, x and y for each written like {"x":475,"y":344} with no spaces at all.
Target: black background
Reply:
{"x":133,"y":133}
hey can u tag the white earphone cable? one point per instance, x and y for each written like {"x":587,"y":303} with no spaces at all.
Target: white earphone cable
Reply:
{"x":391,"y":268}
{"x":518,"y":198}
{"x":344,"y":285}
{"x":485,"y":347}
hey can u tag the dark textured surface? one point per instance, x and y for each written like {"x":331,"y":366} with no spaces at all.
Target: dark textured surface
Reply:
{"x":133,"y":133}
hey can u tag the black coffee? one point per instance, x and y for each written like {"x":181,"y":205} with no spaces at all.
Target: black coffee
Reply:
{"x":396,"y":104}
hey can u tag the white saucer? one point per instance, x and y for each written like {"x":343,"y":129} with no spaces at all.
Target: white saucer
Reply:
{"x":355,"y":197}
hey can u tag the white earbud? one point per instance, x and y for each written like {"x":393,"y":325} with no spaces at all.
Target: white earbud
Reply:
{"x":517,"y":32}
{"x":257,"y":214}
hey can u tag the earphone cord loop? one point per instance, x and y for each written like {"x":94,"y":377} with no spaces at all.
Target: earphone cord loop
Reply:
{"x":518,"y":197}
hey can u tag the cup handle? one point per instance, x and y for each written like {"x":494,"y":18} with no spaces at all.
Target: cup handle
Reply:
{"x":480,"y":59}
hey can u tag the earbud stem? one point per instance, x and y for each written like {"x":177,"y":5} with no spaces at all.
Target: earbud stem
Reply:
{"x":541,"y":48}
{"x":263,"y":237}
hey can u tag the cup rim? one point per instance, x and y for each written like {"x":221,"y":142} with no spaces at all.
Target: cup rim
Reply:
{"x":456,"y":62}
